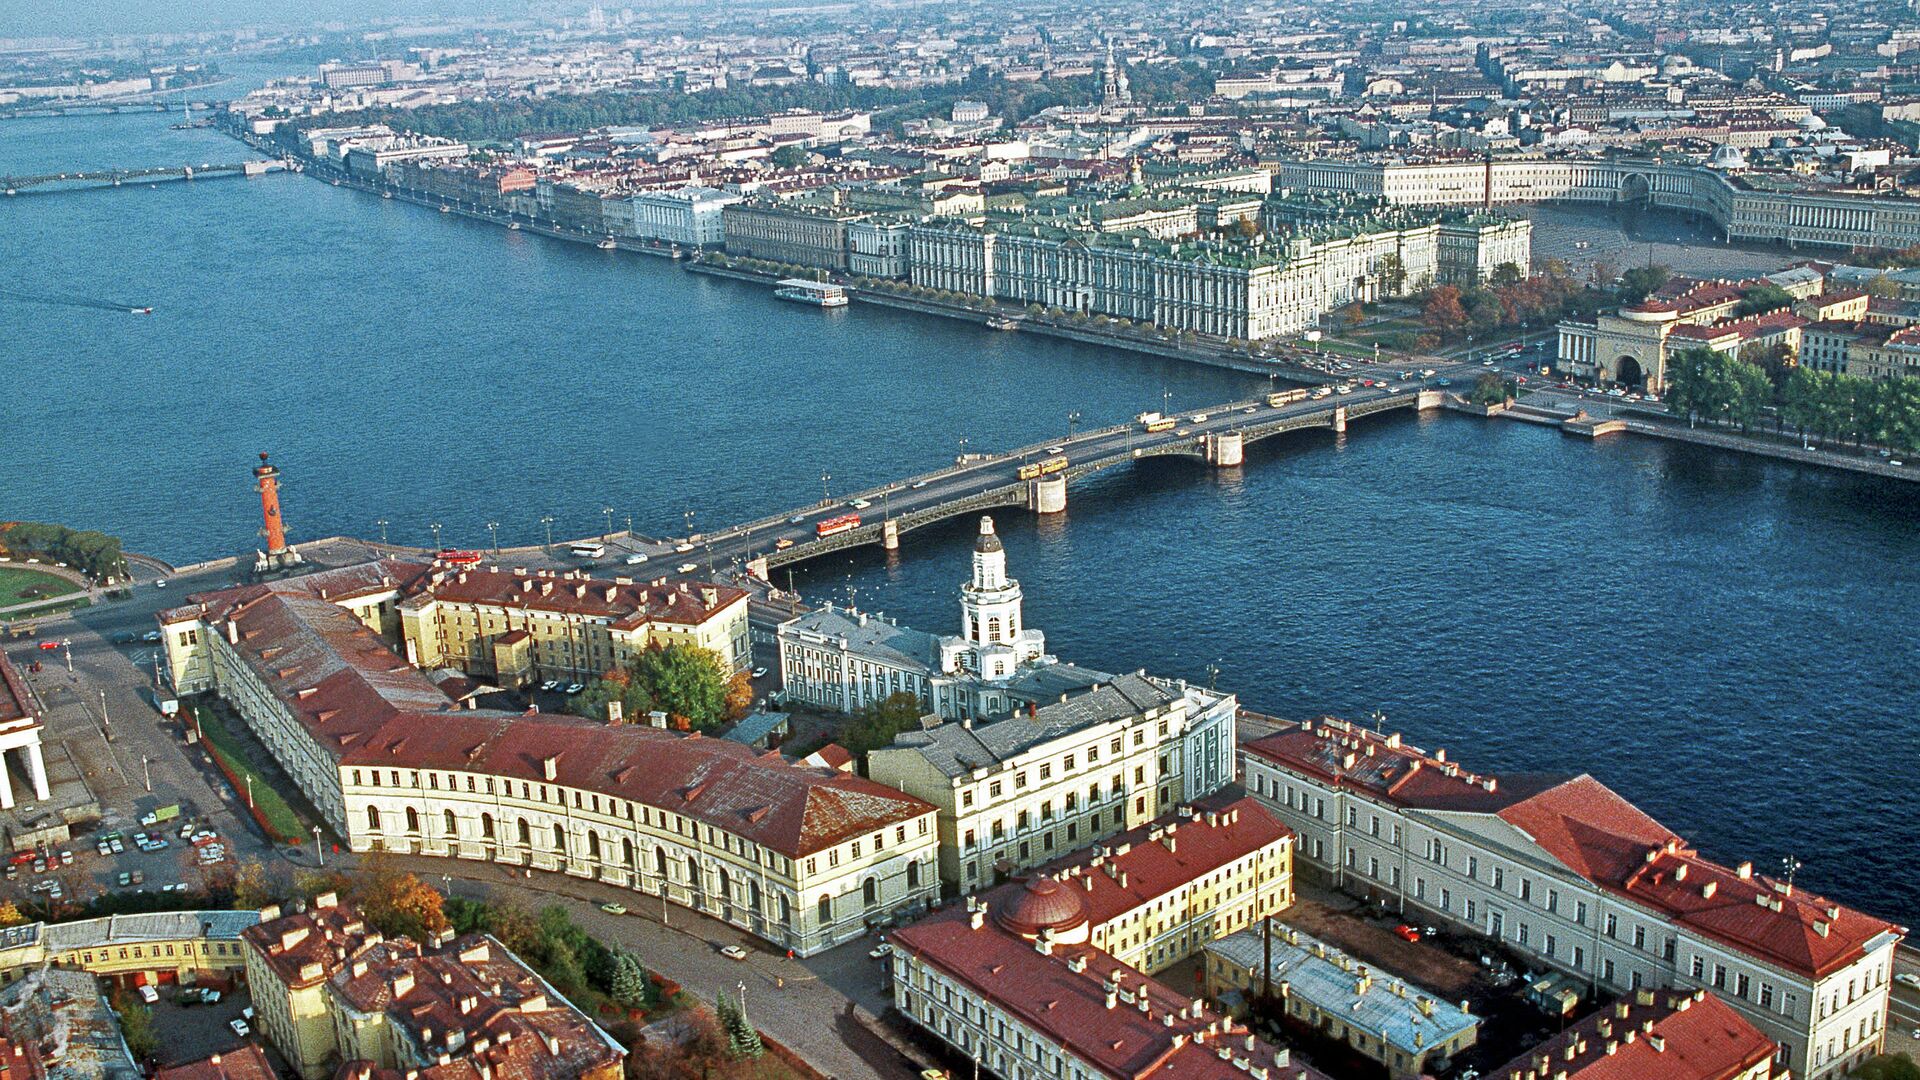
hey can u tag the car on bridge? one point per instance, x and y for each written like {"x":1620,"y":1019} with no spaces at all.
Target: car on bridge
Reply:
{"x":918,"y":484}
{"x":783,"y":543}
{"x":797,"y":519}
{"x":859,"y":504}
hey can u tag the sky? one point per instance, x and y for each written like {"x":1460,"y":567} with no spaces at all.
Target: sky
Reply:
{"x":49,"y":18}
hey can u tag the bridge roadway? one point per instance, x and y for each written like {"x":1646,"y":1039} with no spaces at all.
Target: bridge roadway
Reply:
{"x":13,"y":185}
{"x":991,"y":481}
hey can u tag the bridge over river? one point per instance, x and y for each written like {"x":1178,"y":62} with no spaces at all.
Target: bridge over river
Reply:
{"x":14,"y":185}
{"x":1217,"y":436}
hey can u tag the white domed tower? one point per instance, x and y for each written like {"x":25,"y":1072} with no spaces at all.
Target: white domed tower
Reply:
{"x":992,"y":642}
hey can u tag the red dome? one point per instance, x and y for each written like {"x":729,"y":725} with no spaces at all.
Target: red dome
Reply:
{"x":1043,"y":903}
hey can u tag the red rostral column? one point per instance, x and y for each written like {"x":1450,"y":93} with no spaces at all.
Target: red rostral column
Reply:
{"x":276,"y":530}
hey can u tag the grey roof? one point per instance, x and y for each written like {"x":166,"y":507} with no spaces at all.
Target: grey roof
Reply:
{"x":754,"y":727}
{"x":1327,"y":978}
{"x":149,"y":926}
{"x":1047,"y":682}
{"x":956,"y":749}
{"x":872,"y":637}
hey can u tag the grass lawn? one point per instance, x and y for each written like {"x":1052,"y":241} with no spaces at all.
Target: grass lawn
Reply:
{"x":279,"y":814}
{"x":19,"y":584}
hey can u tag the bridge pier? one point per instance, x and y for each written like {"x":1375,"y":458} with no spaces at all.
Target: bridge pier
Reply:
{"x":890,"y":535}
{"x":1430,"y":399}
{"x":1226,"y":449}
{"x":757,"y":567}
{"x":1339,"y":419}
{"x":1048,"y":495}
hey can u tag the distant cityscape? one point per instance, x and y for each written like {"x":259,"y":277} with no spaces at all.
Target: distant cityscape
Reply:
{"x":564,"y":810}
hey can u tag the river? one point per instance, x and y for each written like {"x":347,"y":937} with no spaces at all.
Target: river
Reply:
{"x":1728,"y":642}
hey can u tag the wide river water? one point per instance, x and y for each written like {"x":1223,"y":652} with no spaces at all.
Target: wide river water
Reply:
{"x":1728,"y":642}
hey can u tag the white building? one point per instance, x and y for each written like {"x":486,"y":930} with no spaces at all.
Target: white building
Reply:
{"x":689,"y":216}
{"x":1578,"y":880}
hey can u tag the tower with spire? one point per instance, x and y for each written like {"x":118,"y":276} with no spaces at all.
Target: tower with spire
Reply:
{"x":1114,"y":91}
{"x":992,"y":643}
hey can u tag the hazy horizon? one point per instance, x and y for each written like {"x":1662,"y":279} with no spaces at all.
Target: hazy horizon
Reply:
{"x":93,"y":18}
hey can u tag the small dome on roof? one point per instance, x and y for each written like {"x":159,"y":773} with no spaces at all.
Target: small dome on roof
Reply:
{"x":1043,"y":903}
{"x":987,"y":541}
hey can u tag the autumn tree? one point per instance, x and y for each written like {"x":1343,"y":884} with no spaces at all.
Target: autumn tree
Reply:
{"x":1443,"y":312}
{"x":10,"y":914}
{"x":690,"y":684}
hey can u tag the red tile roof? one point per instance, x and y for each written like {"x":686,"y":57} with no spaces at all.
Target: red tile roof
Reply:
{"x":624,"y":605}
{"x":1658,"y":1036}
{"x":1144,"y":864}
{"x":305,"y":948}
{"x":1597,"y":835}
{"x":16,"y":704}
{"x":245,"y":1062}
{"x":1061,"y":995}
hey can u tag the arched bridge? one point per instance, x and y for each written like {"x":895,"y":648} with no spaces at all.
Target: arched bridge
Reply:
{"x":13,"y":185}
{"x":1217,"y":436}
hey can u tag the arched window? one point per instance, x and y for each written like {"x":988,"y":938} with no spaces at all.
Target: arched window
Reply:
{"x":373,"y":818}
{"x":593,"y":845}
{"x":753,"y":893}
{"x":453,"y":826}
{"x":413,"y":820}
{"x":693,"y":873}
{"x":626,"y":849}
{"x":826,"y":910}
{"x":726,"y":884}
{"x":660,"y":862}
{"x":870,"y":892}
{"x":526,"y":833}
{"x":486,"y":826}
{"x":913,"y":875}
{"x":559,"y":838}
{"x":786,"y":911}
{"x":993,"y":628}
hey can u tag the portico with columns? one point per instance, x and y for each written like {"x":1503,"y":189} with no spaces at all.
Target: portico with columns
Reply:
{"x":19,"y":731}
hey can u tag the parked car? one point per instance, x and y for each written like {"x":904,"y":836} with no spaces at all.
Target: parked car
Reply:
{"x":733,"y":952}
{"x":148,"y":994}
{"x":574,"y":688}
{"x":239,"y":1027}
{"x":612,"y":908}
{"x":1407,"y":932}
{"x":757,"y":673}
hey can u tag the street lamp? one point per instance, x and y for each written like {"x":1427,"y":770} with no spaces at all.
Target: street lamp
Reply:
{"x":318,"y":852}
{"x":382,"y":524}
{"x":547,"y":520}
{"x":493,"y":527}
{"x":67,"y":644}
{"x":146,"y":766}
{"x":436,"y":537}
{"x":608,"y":510}
{"x":826,"y":494}
{"x":1072,"y":419}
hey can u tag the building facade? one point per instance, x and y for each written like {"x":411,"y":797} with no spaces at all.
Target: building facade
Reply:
{"x":1576,"y":879}
{"x":1670,"y":1035}
{"x":805,"y":857}
{"x":688,"y":216}
{"x":801,"y":234}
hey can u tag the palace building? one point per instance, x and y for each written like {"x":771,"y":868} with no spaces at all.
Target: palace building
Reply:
{"x":804,"y":857}
{"x":1578,"y":880}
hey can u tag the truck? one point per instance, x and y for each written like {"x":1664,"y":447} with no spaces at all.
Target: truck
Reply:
{"x":165,"y":813}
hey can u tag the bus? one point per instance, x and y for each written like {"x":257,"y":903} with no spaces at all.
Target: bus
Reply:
{"x":1286,"y":397}
{"x":1042,"y":468}
{"x":840,"y":524}
{"x":588,"y":549}
{"x":1165,"y":423}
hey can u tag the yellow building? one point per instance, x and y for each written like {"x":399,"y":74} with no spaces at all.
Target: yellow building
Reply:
{"x":1156,"y":895}
{"x":522,"y":626}
{"x":154,"y":948}
{"x":289,"y":959}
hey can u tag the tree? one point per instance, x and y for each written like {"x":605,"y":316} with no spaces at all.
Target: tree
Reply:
{"x":1443,"y":312}
{"x":628,"y":986}
{"x":690,"y":684}
{"x":876,"y":724}
{"x":1488,"y":389}
{"x":1888,"y":1067}
{"x":742,"y":1039}
{"x":1393,"y":275}
{"x":1507,"y":273}
{"x":1636,"y":284}
{"x":790,"y":156}
{"x":251,"y":889}
{"x":1759,"y":298}
{"x":10,"y":914}
{"x":136,"y":1027}
{"x":1883,"y":287}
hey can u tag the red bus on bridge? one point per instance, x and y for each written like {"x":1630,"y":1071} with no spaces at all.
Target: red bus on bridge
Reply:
{"x":837,"y":525}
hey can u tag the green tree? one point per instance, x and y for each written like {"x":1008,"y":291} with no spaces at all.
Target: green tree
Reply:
{"x":1393,"y":275}
{"x":1637,"y":283}
{"x":690,"y":684}
{"x":136,"y":1026}
{"x":1507,"y":273}
{"x":1888,"y":1067}
{"x":742,"y":1039}
{"x":876,"y":724}
{"x":1759,"y":298}
{"x":790,"y":156}
{"x":628,"y":987}
{"x":1488,"y":389}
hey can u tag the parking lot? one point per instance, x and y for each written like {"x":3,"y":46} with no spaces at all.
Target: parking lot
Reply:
{"x":179,"y":854}
{"x":192,"y":1029}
